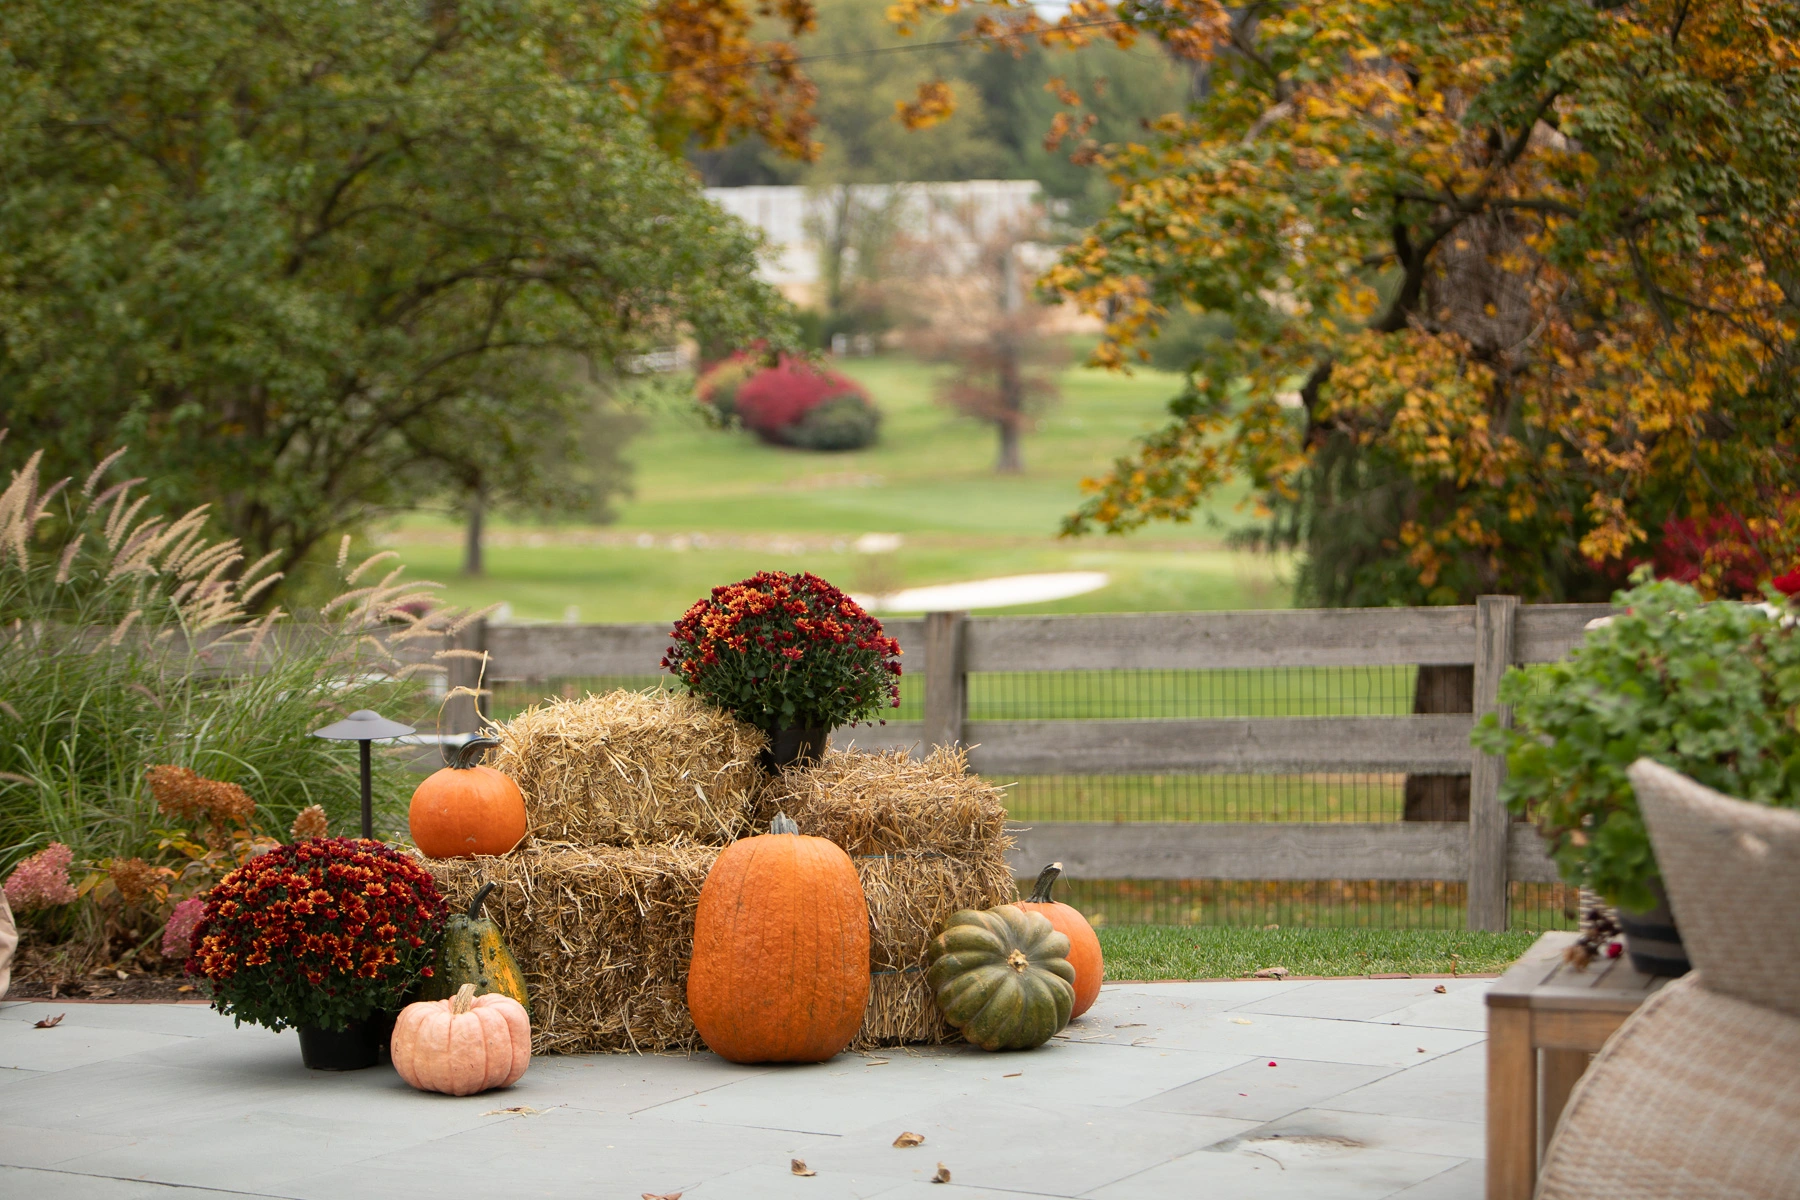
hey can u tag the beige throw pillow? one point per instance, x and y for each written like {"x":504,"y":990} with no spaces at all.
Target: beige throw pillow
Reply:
{"x":1732,"y":870}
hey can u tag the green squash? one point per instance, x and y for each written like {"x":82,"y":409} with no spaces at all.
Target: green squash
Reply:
{"x":473,"y":952}
{"x":1002,"y":976}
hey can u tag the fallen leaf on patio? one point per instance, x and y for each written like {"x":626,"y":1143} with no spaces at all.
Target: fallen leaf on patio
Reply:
{"x":50,"y":1022}
{"x":908,"y":1140}
{"x":1014,"y":1075}
{"x":662,"y":1196}
{"x":799,"y":1167}
{"x":943,"y":1174}
{"x":1421,"y":1049}
{"x":1271,"y":1062}
{"x":1130,"y":1025}
{"x":1440,"y":988}
{"x":523,"y":1110}
{"x":1241,"y":1021}
{"x":1272,"y":973}
{"x":875,"y":1062}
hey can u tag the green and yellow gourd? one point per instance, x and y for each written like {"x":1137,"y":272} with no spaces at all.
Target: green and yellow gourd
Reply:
{"x":473,"y":952}
{"x":1002,"y":976}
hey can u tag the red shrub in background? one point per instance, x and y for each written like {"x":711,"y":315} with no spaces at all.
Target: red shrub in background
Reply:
{"x":774,"y":399}
{"x":1730,"y":557}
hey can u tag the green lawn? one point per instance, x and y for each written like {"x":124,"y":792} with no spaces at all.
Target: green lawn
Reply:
{"x":1146,"y":952}
{"x":710,"y":507}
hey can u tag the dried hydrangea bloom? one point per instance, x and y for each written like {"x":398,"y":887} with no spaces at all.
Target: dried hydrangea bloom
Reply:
{"x":310,"y":823}
{"x":178,"y":934}
{"x":41,"y":881}
{"x":183,"y":795}
{"x":133,"y":877}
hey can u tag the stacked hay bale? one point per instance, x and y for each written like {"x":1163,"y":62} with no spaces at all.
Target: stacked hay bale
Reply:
{"x":630,"y":796}
{"x":928,"y":839}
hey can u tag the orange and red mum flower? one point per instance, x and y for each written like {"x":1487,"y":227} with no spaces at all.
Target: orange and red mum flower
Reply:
{"x":782,"y":650}
{"x":317,"y":932}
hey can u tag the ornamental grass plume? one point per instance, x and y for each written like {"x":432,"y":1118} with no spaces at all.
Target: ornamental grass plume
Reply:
{"x":41,"y":881}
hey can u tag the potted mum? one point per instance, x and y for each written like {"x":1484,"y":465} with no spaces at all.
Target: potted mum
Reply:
{"x":1709,"y":689}
{"x":326,"y":935}
{"x":789,"y":654}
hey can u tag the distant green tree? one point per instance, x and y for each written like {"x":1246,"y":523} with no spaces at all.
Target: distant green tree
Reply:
{"x":312,"y":259}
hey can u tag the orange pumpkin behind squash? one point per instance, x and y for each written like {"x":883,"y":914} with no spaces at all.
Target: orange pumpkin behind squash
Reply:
{"x":1084,"y":944}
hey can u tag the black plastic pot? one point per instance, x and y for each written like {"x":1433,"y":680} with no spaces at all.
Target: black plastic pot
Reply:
{"x":356,"y":1046}
{"x":1651,"y":938}
{"x":795,"y":744}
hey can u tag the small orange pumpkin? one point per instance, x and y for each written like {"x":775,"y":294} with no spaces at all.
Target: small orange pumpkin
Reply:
{"x":1084,"y":945}
{"x":462,"y":1045}
{"x":465,"y":809}
{"x":780,"y":971}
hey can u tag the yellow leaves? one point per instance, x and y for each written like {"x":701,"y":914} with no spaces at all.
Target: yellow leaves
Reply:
{"x":933,"y":103}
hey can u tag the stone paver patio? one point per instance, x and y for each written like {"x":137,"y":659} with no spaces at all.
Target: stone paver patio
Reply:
{"x":1162,"y":1090}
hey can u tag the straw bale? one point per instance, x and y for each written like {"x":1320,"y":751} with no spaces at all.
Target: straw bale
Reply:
{"x":632,"y":768}
{"x":910,"y":895}
{"x":603,"y":935}
{"x":872,"y":803}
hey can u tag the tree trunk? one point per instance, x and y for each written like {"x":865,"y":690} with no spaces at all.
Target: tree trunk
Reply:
{"x":1440,"y":797}
{"x":472,"y":563}
{"x":1010,"y":462}
{"x":1012,"y":386}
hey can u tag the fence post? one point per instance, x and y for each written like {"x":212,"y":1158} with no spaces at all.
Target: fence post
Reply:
{"x":1495,"y":617}
{"x":946,"y":684}
{"x":462,"y":714}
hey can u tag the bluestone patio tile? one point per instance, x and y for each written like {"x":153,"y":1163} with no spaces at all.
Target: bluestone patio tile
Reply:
{"x":1255,"y":1091}
{"x":1462,"y":1006}
{"x":184,"y":1020}
{"x":68,"y":1045}
{"x":832,"y":1097}
{"x":626,"y":1083}
{"x":777,"y":1181}
{"x":64,"y":1185}
{"x":1102,"y":1075}
{"x":123,"y":1096}
{"x":1465,"y":1181}
{"x":1417,"y":1135}
{"x":1452,"y":1087}
{"x":1263,"y":1168}
{"x":43,"y":1143}
{"x":17,"y":1075}
{"x":1329,"y":998}
{"x":1048,"y":1144}
{"x":1313,"y":1038}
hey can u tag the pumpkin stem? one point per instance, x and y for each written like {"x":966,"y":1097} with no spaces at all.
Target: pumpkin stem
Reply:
{"x":1016,"y":960}
{"x":480,"y":898}
{"x":471,"y":749}
{"x":783,"y":824}
{"x":1045,"y":881}
{"x":463,"y":1001}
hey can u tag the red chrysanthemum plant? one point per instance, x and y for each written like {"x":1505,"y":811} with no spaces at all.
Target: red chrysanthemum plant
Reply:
{"x":321,"y":932}
{"x":782,"y":651}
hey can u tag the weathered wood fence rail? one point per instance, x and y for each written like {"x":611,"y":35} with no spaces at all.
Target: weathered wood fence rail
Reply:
{"x":1487,"y":852}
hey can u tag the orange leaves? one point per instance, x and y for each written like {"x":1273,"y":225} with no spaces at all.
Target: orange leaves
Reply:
{"x":933,"y":103}
{"x":718,"y":83}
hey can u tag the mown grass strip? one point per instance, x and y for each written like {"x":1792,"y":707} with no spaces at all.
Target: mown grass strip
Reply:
{"x":1148,"y":952}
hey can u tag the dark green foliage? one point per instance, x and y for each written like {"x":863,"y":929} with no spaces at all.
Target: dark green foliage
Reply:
{"x":1710,"y":690}
{"x":841,"y":423}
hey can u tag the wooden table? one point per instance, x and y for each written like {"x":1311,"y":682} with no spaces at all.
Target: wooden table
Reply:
{"x":1545,"y":1021}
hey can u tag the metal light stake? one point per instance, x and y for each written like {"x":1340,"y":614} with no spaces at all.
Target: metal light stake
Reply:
{"x":362,"y":727}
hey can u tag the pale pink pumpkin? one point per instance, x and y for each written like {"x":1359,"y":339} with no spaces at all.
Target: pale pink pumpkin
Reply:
{"x":462,"y":1045}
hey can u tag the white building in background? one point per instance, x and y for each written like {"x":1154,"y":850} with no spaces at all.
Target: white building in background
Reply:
{"x":944,"y":213}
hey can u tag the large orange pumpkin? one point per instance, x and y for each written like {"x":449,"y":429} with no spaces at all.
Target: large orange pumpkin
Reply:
{"x":781,"y":950}
{"x":1084,"y":946}
{"x":462,"y":1045}
{"x":465,"y":809}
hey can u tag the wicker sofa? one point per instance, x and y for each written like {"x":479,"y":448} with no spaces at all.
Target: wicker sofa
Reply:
{"x":1698,"y":1094}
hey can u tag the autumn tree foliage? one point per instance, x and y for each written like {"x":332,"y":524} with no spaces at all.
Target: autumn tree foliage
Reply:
{"x":1510,"y":283}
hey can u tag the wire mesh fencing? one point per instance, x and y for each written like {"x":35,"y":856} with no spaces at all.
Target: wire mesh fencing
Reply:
{"x":1150,"y":797}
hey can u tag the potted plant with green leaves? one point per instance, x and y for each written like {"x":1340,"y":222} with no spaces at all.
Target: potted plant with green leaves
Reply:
{"x":326,"y":935}
{"x":789,"y":654}
{"x":1710,"y":689}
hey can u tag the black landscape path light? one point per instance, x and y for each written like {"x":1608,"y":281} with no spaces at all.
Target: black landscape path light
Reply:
{"x":362,"y":727}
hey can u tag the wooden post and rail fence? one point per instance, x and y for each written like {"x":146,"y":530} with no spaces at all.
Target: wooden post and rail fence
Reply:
{"x":1486,"y":852}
